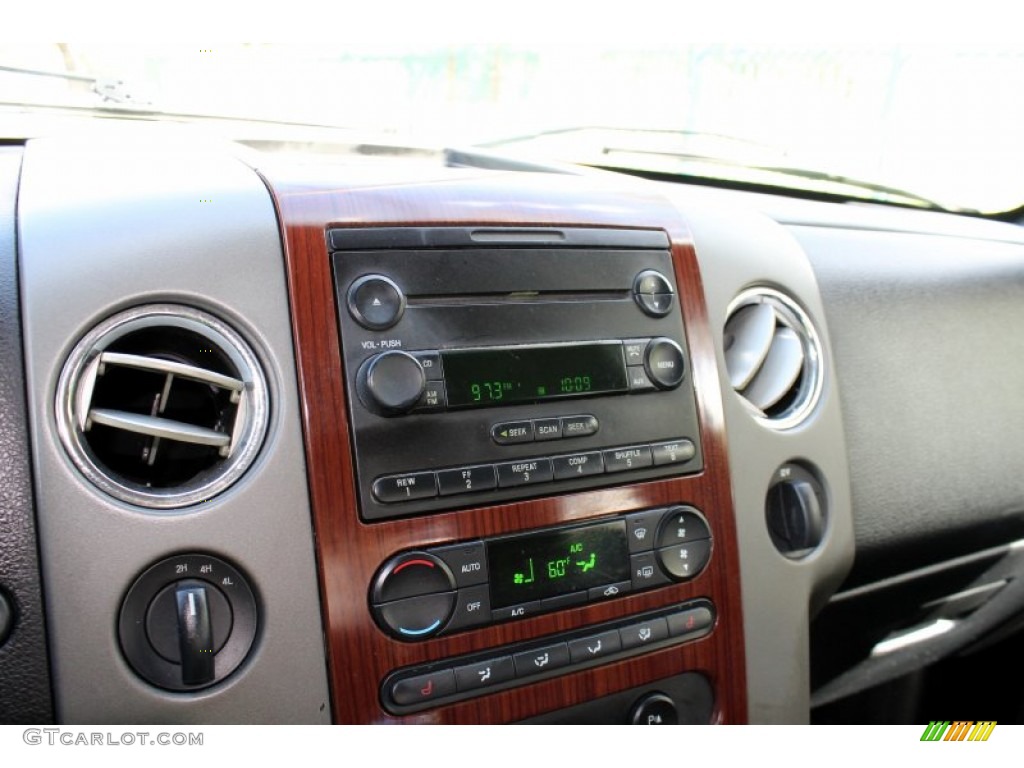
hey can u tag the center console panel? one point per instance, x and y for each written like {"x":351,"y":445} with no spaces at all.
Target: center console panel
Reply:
{"x":515,"y":448}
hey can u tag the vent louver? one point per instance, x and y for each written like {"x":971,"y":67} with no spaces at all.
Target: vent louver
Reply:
{"x":773,"y":357}
{"x":162,"y":406}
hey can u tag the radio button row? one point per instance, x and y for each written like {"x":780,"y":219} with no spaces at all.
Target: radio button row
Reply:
{"x":466,"y":562}
{"x":512,"y":432}
{"x":485,"y":673}
{"x":625,"y":459}
{"x":594,"y":647}
{"x":466,"y":480}
{"x":673,"y":452}
{"x":526,"y":472}
{"x":515,"y":432}
{"x":645,"y":633}
{"x":541,"y":660}
{"x":393,"y":488}
{"x":576,"y":465}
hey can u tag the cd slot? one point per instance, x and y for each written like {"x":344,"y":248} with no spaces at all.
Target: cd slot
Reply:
{"x":517,"y":297}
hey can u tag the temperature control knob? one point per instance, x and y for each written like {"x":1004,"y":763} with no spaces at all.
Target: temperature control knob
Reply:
{"x":391,"y":383}
{"x":413,"y":595}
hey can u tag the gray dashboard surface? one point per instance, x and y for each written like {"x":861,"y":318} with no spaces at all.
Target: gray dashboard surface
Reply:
{"x":126,"y":219}
{"x":24,"y":668}
{"x":929,"y":352}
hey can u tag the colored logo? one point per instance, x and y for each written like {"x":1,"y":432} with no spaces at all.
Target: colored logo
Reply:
{"x":959,"y":730}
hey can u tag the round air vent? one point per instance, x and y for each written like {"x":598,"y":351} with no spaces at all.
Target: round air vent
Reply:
{"x":162,"y":406}
{"x":773,"y":357}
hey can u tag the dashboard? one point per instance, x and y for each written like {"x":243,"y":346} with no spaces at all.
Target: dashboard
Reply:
{"x":395,"y":441}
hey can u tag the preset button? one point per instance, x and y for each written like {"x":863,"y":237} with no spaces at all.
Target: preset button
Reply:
{"x":525,"y":472}
{"x":630,"y":457}
{"x":466,"y":480}
{"x":394,"y":488}
{"x":673,"y":452}
{"x":578,"y":465}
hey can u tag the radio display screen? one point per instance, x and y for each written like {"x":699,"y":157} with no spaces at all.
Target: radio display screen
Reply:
{"x":547,"y":564}
{"x":509,"y":375}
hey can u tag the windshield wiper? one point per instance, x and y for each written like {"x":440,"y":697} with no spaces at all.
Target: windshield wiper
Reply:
{"x":107,"y":88}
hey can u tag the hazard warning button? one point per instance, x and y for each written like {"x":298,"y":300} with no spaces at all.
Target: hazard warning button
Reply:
{"x":376,"y":302}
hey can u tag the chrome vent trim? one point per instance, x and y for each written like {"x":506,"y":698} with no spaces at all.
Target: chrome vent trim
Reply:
{"x":773,"y":357}
{"x":232,"y":435}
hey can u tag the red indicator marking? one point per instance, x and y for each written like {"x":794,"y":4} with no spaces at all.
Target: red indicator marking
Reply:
{"x":413,"y":562}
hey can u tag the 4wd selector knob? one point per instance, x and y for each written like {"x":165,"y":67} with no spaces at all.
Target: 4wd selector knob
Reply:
{"x":391,"y":383}
{"x":188,"y":622}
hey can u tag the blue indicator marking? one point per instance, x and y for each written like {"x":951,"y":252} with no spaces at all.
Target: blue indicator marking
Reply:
{"x":431,"y":628}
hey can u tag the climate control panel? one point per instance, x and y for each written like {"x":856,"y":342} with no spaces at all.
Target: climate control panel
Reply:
{"x":423,"y":593}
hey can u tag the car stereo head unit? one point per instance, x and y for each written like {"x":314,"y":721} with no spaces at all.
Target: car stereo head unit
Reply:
{"x":487,"y":365}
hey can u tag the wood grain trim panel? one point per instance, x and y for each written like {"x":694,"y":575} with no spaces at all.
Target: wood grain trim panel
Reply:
{"x":350,"y":551}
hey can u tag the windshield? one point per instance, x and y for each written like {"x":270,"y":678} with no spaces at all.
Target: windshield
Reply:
{"x":926,"y":126}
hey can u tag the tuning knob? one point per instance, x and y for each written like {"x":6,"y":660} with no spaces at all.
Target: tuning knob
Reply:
{"x":391,"y":383}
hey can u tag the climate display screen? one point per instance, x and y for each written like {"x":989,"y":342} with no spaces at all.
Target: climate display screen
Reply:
{"x":508,"y":375}
{"x":540,"y":565}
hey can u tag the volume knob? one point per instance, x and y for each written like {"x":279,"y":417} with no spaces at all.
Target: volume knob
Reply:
{"x":391,"y":383}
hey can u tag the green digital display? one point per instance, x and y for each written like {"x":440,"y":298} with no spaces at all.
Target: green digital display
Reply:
{"x":551,"y":563}
{"x":528,"y":374}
